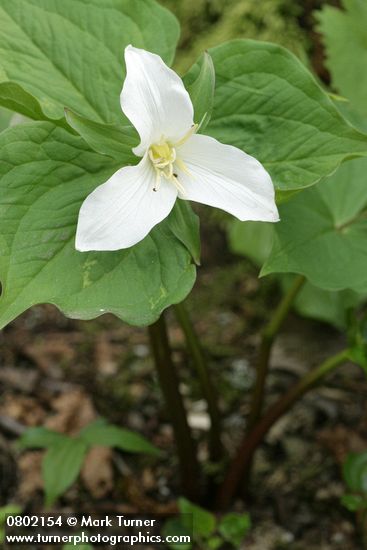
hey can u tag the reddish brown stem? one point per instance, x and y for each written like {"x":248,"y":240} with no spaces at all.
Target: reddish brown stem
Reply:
{"x":243,"y":458}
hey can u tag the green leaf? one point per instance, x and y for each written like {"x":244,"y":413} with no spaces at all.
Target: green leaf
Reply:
{"x":175,"y":528}
{"x":107,"y":139}
{"x":354,"y":503}
{"x":200,"y":83}
{"x":45,"y":174}
{"x":8,"y":510}
{"x":269,"y":105}
{"x":203,"y":521}
{"x":328,"y":306}
{"x":254,"y":240}
{"x":107,"y":435}
{"x":39,"y":438}
{"x":69,"y":53}
{"x":251,"y":239}
{"x":5,"y":117}
{"x":15,"y":98}
{"x":61,"y":466}
{"x":184,"y":224}
{"x":355,"y":472}
{"x":234,"y":527}
{"x":344,"y":35}
{"x":323,"y":232}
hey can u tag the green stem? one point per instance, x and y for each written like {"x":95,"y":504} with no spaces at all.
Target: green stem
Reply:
{"x":207,"y":388}
{"x":186,"y":450}
{"x":268,"y":337}
{"x":243,"y":458}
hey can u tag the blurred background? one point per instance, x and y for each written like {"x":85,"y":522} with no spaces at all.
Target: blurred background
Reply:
{"x":62,"y":374}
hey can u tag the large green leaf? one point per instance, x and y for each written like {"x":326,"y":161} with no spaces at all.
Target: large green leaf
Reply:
{"x":268,"y":104}
{"x":345,"y":36}
{"x":45,"y":174}
{"x":69,"y":53}
{"x":323,"y":232}
{"x":254,"y":240}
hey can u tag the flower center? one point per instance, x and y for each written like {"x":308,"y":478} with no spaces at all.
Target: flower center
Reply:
{"x":163,"y":156}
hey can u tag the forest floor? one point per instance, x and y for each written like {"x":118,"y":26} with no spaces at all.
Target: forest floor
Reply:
{"x":63,"y":373}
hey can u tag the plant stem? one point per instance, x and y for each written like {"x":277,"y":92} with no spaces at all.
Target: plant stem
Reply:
{"x":268,"y":337}
{"x":243,"y":458}
{"x":186,"y":449}
{"x":207,"y":388}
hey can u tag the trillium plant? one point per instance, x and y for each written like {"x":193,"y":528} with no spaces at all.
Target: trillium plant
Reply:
{"x":98,"y":190}
{"x":176,"y":162}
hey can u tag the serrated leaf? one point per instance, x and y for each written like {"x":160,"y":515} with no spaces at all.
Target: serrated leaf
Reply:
{"x":61,"y":466}
{"x":107,"y":435}
{"x":323,"y":232}
{"x":344,"y":35}
{"x":69,"y":53}
{"x":39,"y":438}
{"x":200,"y":83}
{"x":268,"y":104}
{"x":45,"y":174}
{"x":203,"y":521}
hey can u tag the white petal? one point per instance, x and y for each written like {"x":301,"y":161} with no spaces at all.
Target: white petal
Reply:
{"x":227,"y":178}
{"x":154,"y":99}
{"x":122,"y":211}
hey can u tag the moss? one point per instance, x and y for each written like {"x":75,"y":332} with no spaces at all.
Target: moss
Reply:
{"x":207,"y":23}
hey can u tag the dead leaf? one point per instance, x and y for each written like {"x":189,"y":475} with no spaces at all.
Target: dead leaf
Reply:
{"x":97,"y":471}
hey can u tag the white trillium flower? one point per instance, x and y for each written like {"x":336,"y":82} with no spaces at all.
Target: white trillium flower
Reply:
{"x":176,"y":163}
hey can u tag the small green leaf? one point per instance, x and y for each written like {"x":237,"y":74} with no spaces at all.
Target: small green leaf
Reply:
{"x":108,"y":139}
{"x":355,"y":472}
{"x":107,"y":435}
{"x":354,"y":503}
{"x":203,"y":521}
{"x":268,"y":104}
{"x":175,"y":528}
{"x":72,"y":546}
{"x":39,"y":438}
{"x":8,"y":510}
{"x":323,"y":231}
{"x":61,"y":466}
{"x":214,"y":543}
{"x":200,"y":83}
{"x":234,"y":527}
